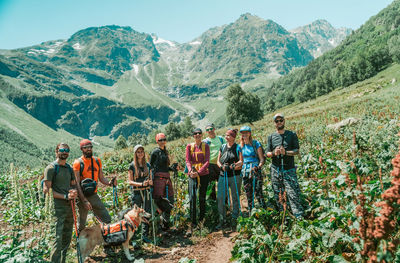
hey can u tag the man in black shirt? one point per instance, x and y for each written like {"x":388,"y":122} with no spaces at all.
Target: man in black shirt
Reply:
{"x":283,"y":145}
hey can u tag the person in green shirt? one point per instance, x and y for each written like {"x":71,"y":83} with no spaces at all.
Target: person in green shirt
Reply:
{"x":59,"y":176}
{"x":214,"y":142}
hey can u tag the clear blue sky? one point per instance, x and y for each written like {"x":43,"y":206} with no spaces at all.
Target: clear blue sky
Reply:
{"x":28,"y":22}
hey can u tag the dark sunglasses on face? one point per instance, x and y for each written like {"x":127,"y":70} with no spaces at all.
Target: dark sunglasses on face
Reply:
{"x":197,"y":133}
{"x":61,"y":150}
{"x":162,"y":140}
{"x":209,"y":129}
{"x":279,"y":120}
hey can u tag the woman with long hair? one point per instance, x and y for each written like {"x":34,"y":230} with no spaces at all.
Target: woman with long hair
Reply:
{"x":230,"y":161}
{"x":163,"y":193}
{"x":140,"y":181}
{"x":253,"y":160}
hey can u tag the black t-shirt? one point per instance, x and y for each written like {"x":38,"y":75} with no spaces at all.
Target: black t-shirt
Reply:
{"x":159,"y":161}
{"x":229,"y":155}
{"x":290,"y":143}
{"x":142,"y":177}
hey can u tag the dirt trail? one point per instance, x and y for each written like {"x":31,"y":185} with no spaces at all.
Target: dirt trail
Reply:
{"x":215,"y":247}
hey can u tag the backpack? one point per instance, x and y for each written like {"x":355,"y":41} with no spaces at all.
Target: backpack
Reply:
{"x":88,"y":185}
{"x":56,"y":170}
{"x":255,"y":148}
{"x":224,"y":147}
{"x":115,"y":234}
{"x":203,"y":150}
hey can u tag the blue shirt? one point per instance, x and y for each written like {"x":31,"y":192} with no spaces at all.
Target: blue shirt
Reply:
{"x":249,"y":155}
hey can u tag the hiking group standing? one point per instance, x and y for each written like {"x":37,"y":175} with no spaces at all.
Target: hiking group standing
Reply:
{"x":212,"y":159}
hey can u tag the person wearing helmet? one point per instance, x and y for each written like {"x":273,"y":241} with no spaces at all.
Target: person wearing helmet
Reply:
{"x":163,"y":193}
{"x":253,"y":160}
{"x":140,"y":181}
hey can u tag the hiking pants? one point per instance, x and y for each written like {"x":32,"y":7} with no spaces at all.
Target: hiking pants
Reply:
{"x":202,"y":190}
{"x":141,"y":198}
{"x":213,"y":176}
{"x":286,"y":180}
{"x":222,"y":194}
{"x":251,"y":179}
{"x":98,"y":209}
{"x":64,"y":226}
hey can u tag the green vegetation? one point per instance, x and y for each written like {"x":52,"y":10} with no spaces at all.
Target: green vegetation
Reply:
{"x":368,"y":50}
{"x":331,"y":163}
{"x":242,"y":106}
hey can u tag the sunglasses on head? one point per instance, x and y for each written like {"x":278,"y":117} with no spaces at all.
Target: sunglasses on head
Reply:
{"x":162,"y":140}
{"x":61,"y":150}
{"x":279,"y":120}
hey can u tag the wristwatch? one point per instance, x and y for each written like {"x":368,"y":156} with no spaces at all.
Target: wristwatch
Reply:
{"x":66,"y":197}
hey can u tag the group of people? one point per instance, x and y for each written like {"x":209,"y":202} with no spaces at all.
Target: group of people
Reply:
{"x":214,"y":159}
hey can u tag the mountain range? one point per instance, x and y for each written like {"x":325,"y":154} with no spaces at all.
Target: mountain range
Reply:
{"x":112,"y":80}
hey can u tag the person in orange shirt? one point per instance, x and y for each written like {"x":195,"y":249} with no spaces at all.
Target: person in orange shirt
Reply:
{"x":88,"y":172}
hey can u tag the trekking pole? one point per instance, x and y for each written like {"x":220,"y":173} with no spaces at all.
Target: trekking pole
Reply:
{"x":78,"y":248}
{"x":254,"y":186}
{"x":115,"y":193}
{"x":237,"y":190}
{"x":227,"y":187}
{"x":150,"y":193}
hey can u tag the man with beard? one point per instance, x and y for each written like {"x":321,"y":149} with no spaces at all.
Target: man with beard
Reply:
{"x":59,"y":176}
{"x":283,"y":145}
{"x":89,"y":168}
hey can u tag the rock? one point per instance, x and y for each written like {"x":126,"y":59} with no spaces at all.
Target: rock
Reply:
{"x":343,"y":123}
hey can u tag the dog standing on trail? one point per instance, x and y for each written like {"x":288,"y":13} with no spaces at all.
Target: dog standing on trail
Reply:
{"x":90,"y":237}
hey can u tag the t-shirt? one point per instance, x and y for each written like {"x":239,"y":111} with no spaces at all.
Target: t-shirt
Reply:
{"x":215,"y":144}
{"x":290,"y":143}
{"x":87,"y":167}
{"x":230,"y":155}
{"x":143,"y":176}
{"x":159,"y":161}
{"x":249,"y":155}
{"x":198,"y":159}
{"x":62,"y":181}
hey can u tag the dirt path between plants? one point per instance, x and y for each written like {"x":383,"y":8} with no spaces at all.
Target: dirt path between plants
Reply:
{"x":215,"y":247}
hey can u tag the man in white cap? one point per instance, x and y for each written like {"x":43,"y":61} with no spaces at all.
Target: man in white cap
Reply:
{"x":283,"y":145}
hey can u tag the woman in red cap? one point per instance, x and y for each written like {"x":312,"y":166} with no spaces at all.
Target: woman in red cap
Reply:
{"x":163,"y":193}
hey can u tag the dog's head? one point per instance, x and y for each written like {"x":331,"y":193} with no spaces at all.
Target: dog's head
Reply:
{"x":138,"y":215}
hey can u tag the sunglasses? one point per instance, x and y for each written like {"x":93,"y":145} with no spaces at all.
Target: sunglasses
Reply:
{"x":162,"y":140}
{"x":87,"y":147}
{"x":209,"y":129}
{"x":280,"y":120}
{"x":61,"y":150}
{"x":197,"y":133}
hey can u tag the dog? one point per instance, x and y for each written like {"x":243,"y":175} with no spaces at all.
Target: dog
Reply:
{"x":90,"y":237}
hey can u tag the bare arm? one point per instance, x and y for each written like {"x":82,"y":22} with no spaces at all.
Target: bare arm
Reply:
{"x":260,"y":157}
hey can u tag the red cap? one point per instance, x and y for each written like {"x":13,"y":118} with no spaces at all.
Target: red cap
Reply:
{"x":160,"y":136}
{"x":85,"y":142}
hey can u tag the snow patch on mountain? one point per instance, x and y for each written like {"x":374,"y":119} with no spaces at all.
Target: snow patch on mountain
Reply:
{"x":162,"y":41}
{"x":135,"y":68}
{"x":195,"y":43}
{"x":77,"y":46}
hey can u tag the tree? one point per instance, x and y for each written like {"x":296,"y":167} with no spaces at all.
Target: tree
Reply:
{"x":135,"y":139}
{"x":186,"y":127}
{"x":242,"y":106}
{"x":394,"y":48}
{"x":172,"y":131}
{"x":120,"y":143}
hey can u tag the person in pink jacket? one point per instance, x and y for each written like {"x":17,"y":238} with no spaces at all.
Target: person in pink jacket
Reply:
{"x":197,"y":161}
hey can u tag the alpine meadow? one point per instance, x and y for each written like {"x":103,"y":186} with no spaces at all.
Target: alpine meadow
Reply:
{"x":338,"y":89}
